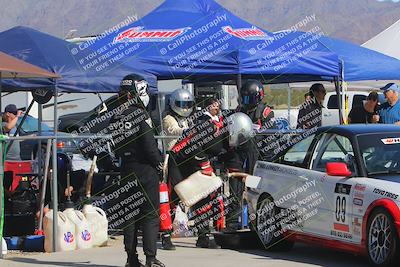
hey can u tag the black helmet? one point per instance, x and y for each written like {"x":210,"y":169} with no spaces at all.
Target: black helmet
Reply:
{"x":252,"y":93}
{"x":136,"y":86}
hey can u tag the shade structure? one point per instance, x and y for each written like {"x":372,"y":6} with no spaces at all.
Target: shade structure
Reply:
{"x":363,"y":64}
{"x":11,"y":67}
{"x":387,"y":42}
{"x":54,"y":55}
{"x":198,"y":39}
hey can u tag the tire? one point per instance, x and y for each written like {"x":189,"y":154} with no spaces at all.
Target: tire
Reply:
{"x":267,"y":228}
{"x":382,"y":239}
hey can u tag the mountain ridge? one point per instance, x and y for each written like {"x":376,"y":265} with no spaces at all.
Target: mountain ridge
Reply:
{"x":356,"y":20}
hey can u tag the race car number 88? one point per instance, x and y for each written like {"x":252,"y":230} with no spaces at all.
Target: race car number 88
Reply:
{"x":340,"y":209}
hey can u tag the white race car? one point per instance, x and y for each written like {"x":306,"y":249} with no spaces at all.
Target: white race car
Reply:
{"x":336,"y":187}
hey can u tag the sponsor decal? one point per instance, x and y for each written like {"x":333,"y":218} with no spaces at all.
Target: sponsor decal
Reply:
{"x":357,"y":226}
{"x":341,"y":234}
{"x":137,"y":34}
{"x":358,"y":195}
{"x":323,"y":178}
{"x":126,"y":82}
{"x":86,"y":236}
{"x":69,"y":237}
{"x":252,"y":33}
{"x":385,"y":193}
{"x":278,"y":169}
{"x":391,"y":141}
{"x":357,"y":201}
{"x":342,"y":189}
{"x":360,"y":187}
{"x":341,"y":227}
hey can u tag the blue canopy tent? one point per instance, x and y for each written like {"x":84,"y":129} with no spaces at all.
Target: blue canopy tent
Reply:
{"x":360,"y":63}
{"x":201,"y":39}
{"x":54,"y":54}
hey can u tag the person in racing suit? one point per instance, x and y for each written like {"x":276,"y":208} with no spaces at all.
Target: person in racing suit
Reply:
{"x":194,"y":151}
{"x":262,"y":116}
{"x":141,"y":164}
{"x":174,"y":123}
{"x":252,"y":94}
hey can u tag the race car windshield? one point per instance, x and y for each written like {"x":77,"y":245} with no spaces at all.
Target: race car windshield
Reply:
{"x":380,"y":153}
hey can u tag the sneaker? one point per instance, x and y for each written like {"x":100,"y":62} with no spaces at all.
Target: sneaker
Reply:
{"x":154,"y":263}
{"x":206,"y":241}
{"x":167,"y":243}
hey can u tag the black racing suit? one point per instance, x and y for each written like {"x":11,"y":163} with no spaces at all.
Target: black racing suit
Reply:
{"x":263,"y":117}
{"x":134,"y":143}
{"x":194,"y":151}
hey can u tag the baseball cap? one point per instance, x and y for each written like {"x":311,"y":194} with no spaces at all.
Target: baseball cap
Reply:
{"x":391,"y":86}
{"x":11,"y":109}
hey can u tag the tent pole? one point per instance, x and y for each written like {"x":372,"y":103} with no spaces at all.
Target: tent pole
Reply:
{"x":1,"y":180}
{"x":239,"y":85}
{"x":1,"y":197}
{"x":343,"y":91}
{"x":54,"y":167}
{"x":289,"y":102}
{"x":339,"y":99}
{"x":39,"y":153}
{"x":1,"y":117}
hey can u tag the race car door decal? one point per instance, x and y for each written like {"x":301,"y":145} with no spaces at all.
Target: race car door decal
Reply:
{"x":342,"y":212}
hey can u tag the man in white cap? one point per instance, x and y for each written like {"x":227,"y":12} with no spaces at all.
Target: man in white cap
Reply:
{"x":389,"y":112}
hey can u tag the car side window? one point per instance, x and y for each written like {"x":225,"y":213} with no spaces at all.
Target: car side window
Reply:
{"x":334,"y":148}
{"x":297,"y":154}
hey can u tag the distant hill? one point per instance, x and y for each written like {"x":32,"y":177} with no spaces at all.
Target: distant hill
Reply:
{"x":354,"y":20}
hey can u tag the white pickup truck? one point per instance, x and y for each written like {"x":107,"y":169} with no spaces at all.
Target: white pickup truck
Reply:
{"x":330,"y":112}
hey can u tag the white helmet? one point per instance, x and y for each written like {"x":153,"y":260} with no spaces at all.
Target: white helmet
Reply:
{"x":240,"y":129}
{"x":182,"y":102}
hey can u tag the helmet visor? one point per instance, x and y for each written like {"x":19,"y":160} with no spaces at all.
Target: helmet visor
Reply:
{"x":184,"y":104}
{"x":250,"y":99}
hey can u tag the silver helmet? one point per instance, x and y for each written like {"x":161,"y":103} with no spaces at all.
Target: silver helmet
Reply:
{"x":182,"y":102}
{"x":240,"y":129}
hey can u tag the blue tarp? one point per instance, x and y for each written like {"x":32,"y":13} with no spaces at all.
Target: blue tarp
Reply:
{"x":199,"y":38}
{"x":54,"y":54}
{"x":194,"y":40}
{"x":362,"y":64}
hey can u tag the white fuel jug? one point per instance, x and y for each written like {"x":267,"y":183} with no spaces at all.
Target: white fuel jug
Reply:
{"x":98,"y":221}
{"x":65,"y":239}
{"x":83,"y":231}
{"x":4,"y":247}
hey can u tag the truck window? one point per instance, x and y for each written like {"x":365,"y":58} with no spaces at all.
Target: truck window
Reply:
{"x":358,"y":100}
{"x":333,"y":102}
